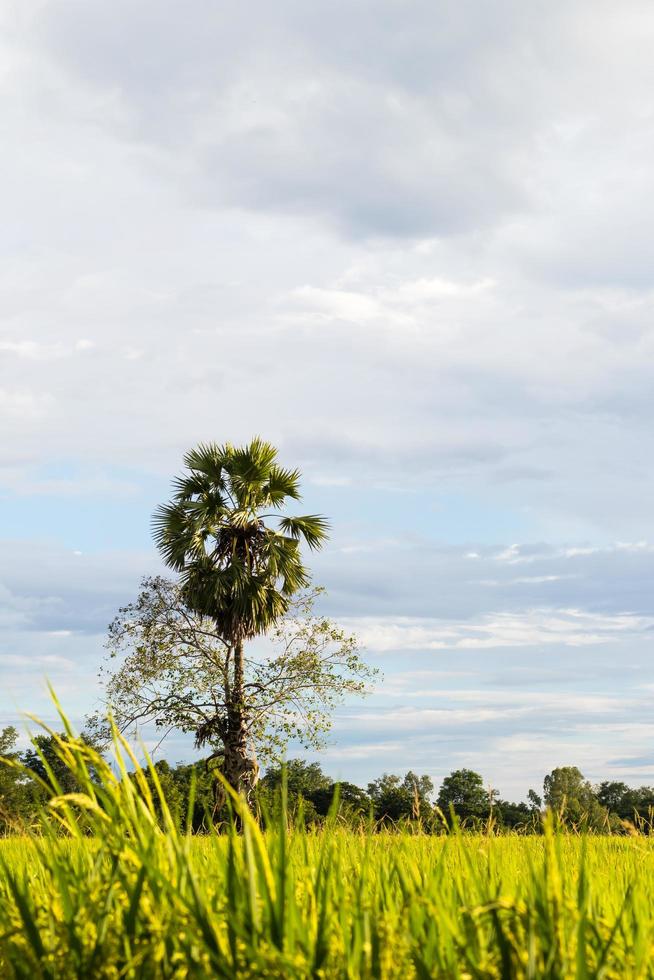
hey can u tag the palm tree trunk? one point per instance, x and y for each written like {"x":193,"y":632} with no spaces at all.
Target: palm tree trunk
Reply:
{"x":240,"y":770}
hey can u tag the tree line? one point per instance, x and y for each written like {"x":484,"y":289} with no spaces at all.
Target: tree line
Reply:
{"x":410,"y":801}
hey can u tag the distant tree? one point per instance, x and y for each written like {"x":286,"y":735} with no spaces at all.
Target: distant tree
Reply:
{"x":391,"y":799}
{"x":535,"y":801}
{"x":202,"y":813}
{"x":171,"y":791}
{"x":16,"y":797}
{"x":421,"y":787}
{"x":627,"y":802}
{"x":464,"y":791}
{"x":617,"y":797}
{"x":42,"y":755}
{"x":302,"y":778}
{"x":308,"y":782}
{"x":513,"y":815}
{"x":354,"y":802}
{"x":176,"y":783}
{"x":566,"y":785}
{"x":395,"y":798}
{"x":8,"y":739}
{"x":42,"y":758}
{"x":571,"y":798}
{"x":643,"y":801}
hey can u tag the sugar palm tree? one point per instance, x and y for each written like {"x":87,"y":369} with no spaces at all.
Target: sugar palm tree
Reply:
{"x":239,"y":562}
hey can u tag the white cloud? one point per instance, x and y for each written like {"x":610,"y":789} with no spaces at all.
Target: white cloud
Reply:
{"x":529,"y":628}
{"x":365,"y":750}
{"x":19,"y":405}
{"x":28,"y":348}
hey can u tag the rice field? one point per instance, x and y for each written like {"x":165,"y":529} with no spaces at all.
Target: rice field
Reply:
{"x":109,"y":888}
{"x":329,"y":904}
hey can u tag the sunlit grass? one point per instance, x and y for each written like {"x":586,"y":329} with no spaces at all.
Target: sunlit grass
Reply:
{"x":110,"y":889}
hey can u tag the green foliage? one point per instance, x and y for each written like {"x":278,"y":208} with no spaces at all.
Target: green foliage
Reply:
{"x":395,"y":799}
{"x":234,"y":566}
{"x":16,"y":798}
{"x":572,"y":799}
{"x":464,"y":792}
{"x":627,"y":803}
{"x":535,"y":801}
{"x":111,"y":887}
{"x":612,"y":807}
{"x":240,"y":566}
{"x":42,"y":759}
{"x":28,"y":778}
{"x":515,"y":816}
{"x":174,"y":672}
{"x":311,"y":794}
{"x":302,"y":778}
{"x":188,"y":791}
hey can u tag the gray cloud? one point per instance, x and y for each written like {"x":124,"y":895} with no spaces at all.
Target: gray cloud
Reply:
{"x":389,"y":127}
{"x":436,"y":119}
{"x":416,"y":578}
{"x":410,"y":584}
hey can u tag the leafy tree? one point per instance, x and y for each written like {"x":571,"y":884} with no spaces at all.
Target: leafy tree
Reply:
{"x":570,"y":796}
{"x":566,"y":784}
{"x":642,"y":801}
{"x":390,"y":798}
{"x":202,"y":813}
{"x":464,"y":791}
{"x":421,"y":787}
{"x":16,"y":798}
{"x":514,"y":815}
{"x":354,"y":802}
{"x":171,"y":792}
{"x":42,"y":756}
{"x":307,"y":781}
{"x":618,"y":798}
{"x":175,"y":674}
{"x":240,"y":576}
{"x":302,"y":778}
{"x":395,"y":798}
{"x":175,"y":783}
{"x":535,"y":801}
{"x":627,"y":802}
{"x":29,"y":778}
{"x":8,"y":739}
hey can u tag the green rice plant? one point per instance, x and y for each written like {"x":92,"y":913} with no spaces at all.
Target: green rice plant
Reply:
{"x":107,"y":886}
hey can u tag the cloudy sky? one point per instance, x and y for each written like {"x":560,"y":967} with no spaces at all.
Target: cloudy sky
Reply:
{"x":410,"y":243}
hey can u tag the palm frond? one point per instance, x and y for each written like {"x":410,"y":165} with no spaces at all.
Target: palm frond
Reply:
{"x":170,"y":530}
{"x":209,"y":459}
{"x":312,"y":527}
{"x":191,"y":485}
{"x":282,"y":484}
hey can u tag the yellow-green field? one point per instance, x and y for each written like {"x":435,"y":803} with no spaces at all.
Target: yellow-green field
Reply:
{"x":109,"y":888}
{"x":332,"y":904}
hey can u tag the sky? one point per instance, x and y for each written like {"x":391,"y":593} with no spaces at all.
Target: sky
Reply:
{"x":409,"y":243}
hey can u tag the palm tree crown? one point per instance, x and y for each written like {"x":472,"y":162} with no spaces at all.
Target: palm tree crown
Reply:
{"x":235,"y":567}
